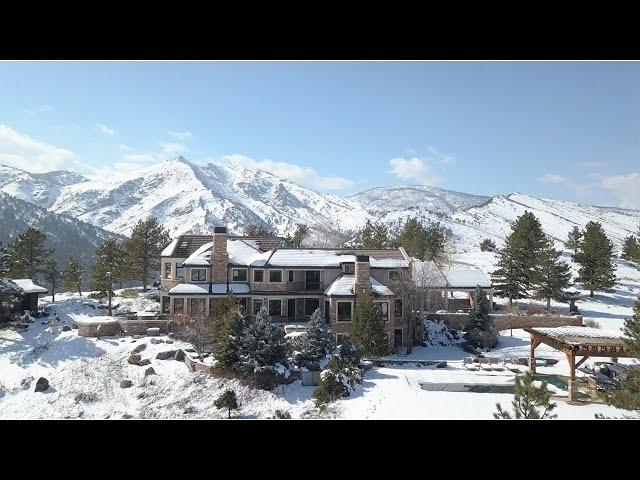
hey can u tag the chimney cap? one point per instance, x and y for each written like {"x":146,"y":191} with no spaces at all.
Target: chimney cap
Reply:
{"x":219,"y":229}
{"x":362,"y":258}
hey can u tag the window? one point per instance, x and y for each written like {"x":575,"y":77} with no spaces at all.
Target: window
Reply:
{"x":327,"y":311}
{"x":212,"y":306}
{"x":178,"y":305}
{"x":398,"y":307}
{"x":196,"y":306}
{"x":311,"y":305}
{"x":167,"y":270}
{"x":258,"y":275}
{"x":198,"y":274}
{"x":243,"y":304}
{"x":179,"y":271}
{"x":291,"y":275}
{"x":239,"y":275}
{"x":275,"y":276}
{"x":348,"y":267}
{"x":344,"y":311}
{"x":257,"y":305}
{"x":166,"y":302}
{"x":384,"y":309}
{"x":394,"y":275}
{"x":340,"y":338}
{"x":275,"y":308}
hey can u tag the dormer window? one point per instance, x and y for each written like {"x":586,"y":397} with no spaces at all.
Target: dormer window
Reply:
{"x":348,"y":267}
{"x":198,"y":274}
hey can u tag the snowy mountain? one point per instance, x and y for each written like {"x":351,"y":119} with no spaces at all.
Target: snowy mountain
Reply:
{"x":67,"y":235}
{"x":193,"y":198}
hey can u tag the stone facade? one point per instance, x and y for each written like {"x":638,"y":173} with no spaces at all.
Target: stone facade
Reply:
{"x":220,"y":255}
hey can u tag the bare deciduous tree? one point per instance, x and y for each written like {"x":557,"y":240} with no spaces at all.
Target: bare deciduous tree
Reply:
{"x":198,"y":330}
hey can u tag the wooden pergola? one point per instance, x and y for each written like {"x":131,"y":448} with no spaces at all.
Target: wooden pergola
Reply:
{"x":577,"y":342}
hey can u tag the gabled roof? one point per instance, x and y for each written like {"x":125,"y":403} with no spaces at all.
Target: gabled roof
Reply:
{"x":343,"y":286}
{"x":27,"y":286}
{"x":186,"y":245}
{"x":466,"y":278}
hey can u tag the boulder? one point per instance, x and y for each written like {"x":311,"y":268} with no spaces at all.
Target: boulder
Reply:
{"x":42,"y":384}
{"x":179,"y":355}
{"x":134,"y":359}
{"x":139,"y":348}
{"x":165,"y":355}
{"x":74,"y":326}
{"x":156,"y":341}
{"x":189,"y":363}
{"x":191,"y":350}
{"x":66,"y":328}
{"x":149,"y":371}
{"x":168,"y":341}
{"x":441,"y":365}
{"x":126,"y":384}
{"x":144,"y":362}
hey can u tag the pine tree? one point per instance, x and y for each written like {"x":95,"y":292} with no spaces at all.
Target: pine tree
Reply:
{"x":518,"y":259}
{"x":594,"y":256}
{"x":255,"y":230}
{"x":143,"y":248}
{"x":573,"y":239}
{"x":528,"y":399}
{"x":480,"y":330}
{"x":552,"y":275}
{"x":373,"y":235}
{"x":263,"y":344}
{"x":426,"y":242}
{"x":108,"y":268}
{"x":10,"y":293}
{"x":336,"y":381}
{"x":227,"y":400}
{"x":228,"y":332}
{"x":316,"y":343}
{"x":73,"y":275}
{"x":52,"y":275}
{"x":302,"y":232}
{"x":628,"y":395}
{"x":28,"y":254}
{"x":367,"y":327}
{"x":631,"y":249}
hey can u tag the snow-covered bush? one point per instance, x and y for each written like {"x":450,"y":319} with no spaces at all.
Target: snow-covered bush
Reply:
{"x":438,"y":334}
{"x":336,"y":381}
{"x":314,"y":345}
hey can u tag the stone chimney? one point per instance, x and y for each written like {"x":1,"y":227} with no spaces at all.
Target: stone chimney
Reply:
{"x":219,"y":255}
{"x":362,"y":275}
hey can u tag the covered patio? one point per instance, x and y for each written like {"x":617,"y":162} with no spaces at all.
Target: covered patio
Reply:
{"x":576,"y":342}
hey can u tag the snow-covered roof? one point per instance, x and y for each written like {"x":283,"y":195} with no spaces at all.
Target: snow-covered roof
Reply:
{"x":578,"y":335}
{"x":27,"y":286}
{"x":343,"y":286}
{"x":168,"y":251}
{"x":466,"y":278}
{"x":203,"y":288}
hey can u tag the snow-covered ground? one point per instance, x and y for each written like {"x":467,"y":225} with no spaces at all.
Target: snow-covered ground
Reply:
{"x":85,"y":373}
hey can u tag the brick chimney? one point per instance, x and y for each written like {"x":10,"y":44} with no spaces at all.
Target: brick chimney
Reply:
{"x":219,"y":255}
{"x":362,"y":275}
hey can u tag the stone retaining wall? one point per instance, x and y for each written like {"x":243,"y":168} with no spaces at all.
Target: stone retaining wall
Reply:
{"x":457,"y":321}
{"x":112,"y":328}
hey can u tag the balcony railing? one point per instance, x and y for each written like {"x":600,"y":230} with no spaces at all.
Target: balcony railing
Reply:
{"x":305,"y":286}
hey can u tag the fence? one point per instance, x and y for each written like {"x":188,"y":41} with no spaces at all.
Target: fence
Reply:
{"x":502,"y":321}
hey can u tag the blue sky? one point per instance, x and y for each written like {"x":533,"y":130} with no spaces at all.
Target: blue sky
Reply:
{"x":567,"y":130}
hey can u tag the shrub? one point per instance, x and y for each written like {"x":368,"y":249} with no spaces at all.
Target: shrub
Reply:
{"x":487,"y":245}
{"x":589,"y":322}
{"x":129,"y":293}
{"x":227,"y":400}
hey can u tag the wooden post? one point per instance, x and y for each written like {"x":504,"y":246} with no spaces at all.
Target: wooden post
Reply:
{"x":571,"y":357}
{"x":532,"y":354}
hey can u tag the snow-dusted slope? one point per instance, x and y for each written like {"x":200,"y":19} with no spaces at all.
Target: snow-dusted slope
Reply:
{"x":193,"y":198}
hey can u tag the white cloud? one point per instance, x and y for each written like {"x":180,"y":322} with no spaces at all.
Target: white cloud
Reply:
{"x":21,"y":151}
{"x":441,"y":158}
{"x":40,"y":109}
{"x":551,"y":178}
{"x":180,"y":135}
{"x":173,"y":149}
{"x":626,"y":188}
{"x":414,"y":168}
{"x":107,"y":130}
{"x":295,"y":173}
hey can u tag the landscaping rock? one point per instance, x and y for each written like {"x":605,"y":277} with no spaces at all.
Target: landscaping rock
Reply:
{"x":189,"y":363}
{"x":168,"y":341}
{"x":179,"y":355}
{"x":156,"y":341}
{"x":126,"y":384}
{"x":166,"y":355}
{"x":139,"y":348}
{"x":191,"y":350}
{"x":144,"y":362}
{"x":134,"y":359}
{"x":66,"y":328}
{"x":42,"y":384}
{"x":441,"y":365}
{"x":149,"y":371}
{"x":74,"y":326}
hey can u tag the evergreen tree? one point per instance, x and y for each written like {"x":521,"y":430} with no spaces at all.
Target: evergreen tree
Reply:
{"x":367,"y":327}
{"x":255,"y":230}
{"x":487,"y":245}
{"x":518,"y":259}
{"x":227,"y":400}
{"x":143,"y":248}
{"x":552,"y":275}
{"x":528,"y":399}
{"x":373,"y":235}
{"x":108,"y":268}
{"x":336,"y":381}
{"x":10,"y":293}
{"x":263,"y":344}
{"x":480,"y":330}
{"x":52,"y":274}
{"x":631,"y":249}
{"x":316,"y":343}
{"x":72,"y":276}
{"x":628,"y":395}
{"x":302,"y":232}
{"x":594,"y":256}
{"x":28,"y":254}
{"x":229,"y":328}
{"x":424,"y":242}
{"x":573,"y":239}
